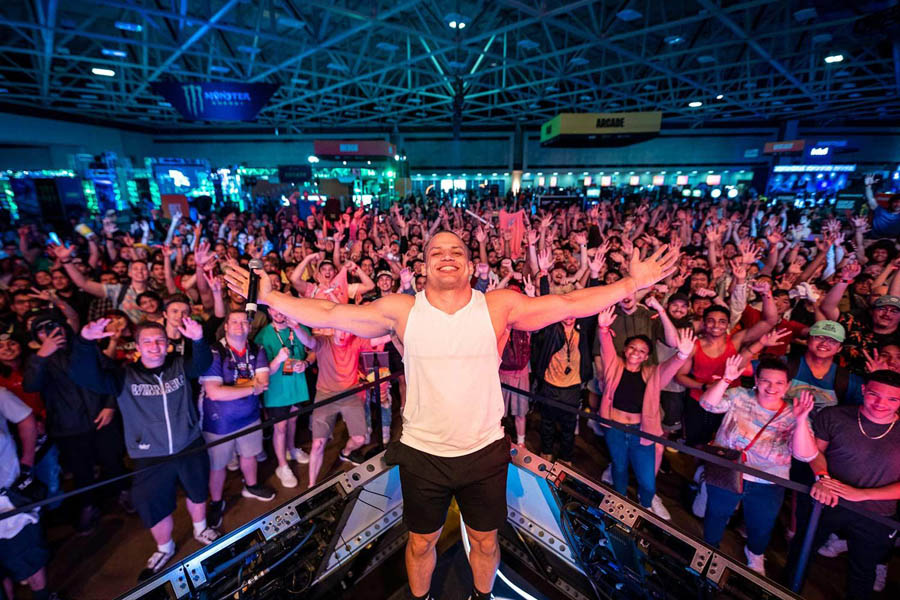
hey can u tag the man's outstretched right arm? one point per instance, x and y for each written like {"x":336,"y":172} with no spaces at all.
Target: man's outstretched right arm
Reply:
{"x":376,"y":319}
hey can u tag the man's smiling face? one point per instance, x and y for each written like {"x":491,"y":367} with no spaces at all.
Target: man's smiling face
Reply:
{"x":447,"y":262}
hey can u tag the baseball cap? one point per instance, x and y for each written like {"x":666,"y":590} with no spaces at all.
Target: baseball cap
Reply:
{"x":48,"y":319}
{"x":888,"y":300}
{"x":830,"y":329}
{"x":385,"y":274}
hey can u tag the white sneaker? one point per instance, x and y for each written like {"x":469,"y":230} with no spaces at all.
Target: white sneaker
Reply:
{"x":296,"y":454}
{"x":207,"y":536}
{"x":659,"y":509}
{"x":699,"y":505}
{"x":756,"y":562}
{"x":607,"y":476}
{"x":880,"y":578}
{"x":234,"y":464}
{"x":286,"y":476}
{"x":835,"y":546}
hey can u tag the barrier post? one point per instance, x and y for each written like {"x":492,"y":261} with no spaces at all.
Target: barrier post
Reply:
{"x":799,"y":575}
{"x":376,"y":411}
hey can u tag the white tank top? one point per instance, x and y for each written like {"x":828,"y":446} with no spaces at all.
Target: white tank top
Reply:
{"x":453,"y":400}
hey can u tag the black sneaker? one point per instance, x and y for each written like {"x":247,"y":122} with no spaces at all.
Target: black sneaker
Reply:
{"x":354,"y":458}
{"x":258,"y":492}
{"x":215,"y":512}
{"x":87,"y":521}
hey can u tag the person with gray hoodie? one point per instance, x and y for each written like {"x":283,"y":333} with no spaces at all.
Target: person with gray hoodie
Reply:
{"x":161,"y":423}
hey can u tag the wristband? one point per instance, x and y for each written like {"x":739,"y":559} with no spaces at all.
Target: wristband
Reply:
{"x":728,"y":381}
{"x":847,"y":281}
{"x":683,"y":356}
{"x":820,"y":476}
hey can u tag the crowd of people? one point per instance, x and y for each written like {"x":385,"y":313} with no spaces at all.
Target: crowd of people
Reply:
{"x":777,"y":339}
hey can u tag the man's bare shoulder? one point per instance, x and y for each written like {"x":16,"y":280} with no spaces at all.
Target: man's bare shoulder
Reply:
{"x":394,"y":304}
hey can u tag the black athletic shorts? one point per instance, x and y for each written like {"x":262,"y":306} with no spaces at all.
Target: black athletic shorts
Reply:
{"x":153,"y":491}
{"x":476,"y":480}
{"x":281,"y":412}
{"x":23,"y":555}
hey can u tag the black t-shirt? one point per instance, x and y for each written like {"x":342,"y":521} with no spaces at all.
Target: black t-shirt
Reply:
{"x":857,"y":460}
{"x":629,"y":395}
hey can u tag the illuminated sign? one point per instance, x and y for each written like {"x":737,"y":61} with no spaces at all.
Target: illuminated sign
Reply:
{"x":823,"y":151}
{"x":713,"y":179}
{"x":593,"y":193}
{"x":587,"y":181}
{"x":216,"y":101}
{"x":785,"y":146}
{"x":634,"y":180}
{"x":659,"y":179}
{"x":814,"y":168}
{"x":606,"y":181}
{"x":682,"y":180}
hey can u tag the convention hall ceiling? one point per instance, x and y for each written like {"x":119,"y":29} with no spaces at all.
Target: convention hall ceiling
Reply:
{"x":490,"y":64}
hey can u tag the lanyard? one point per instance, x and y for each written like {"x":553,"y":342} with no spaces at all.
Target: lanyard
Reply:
{"x":290,"y":340}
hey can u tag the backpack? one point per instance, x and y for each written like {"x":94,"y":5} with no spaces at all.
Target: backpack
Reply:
{"x":841,"y":376}
{"x":517,"y":352}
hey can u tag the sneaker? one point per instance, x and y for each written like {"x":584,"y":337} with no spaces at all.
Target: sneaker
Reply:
{"x":835,"y":546}
{"x":155,"y":564}
{"x":699,"y":505}
{"x":659,"y":509}
{"x":87,"y":520}
{"x":125,"y":502}
{"x":258,"y":492}
{"x":262,"y":456}
{"x":298,"y":455}
{"x":215,"y":512}
{"x":607,"y":476}
{"x":286,"y":476}
{"x":880,"y":578}
{"x":756,"y":562}
{"x":234,"y":464}
{"x":208,"y":536}
{"x":353,"y":458}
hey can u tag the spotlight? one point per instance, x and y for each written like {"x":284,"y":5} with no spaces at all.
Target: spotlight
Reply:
{"x":834,"y":58}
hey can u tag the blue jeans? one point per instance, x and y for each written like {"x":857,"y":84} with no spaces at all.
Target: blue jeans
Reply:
{"x":624,"y":449}
{"x":762,"y":501}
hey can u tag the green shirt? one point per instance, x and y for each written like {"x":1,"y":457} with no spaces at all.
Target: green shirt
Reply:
{"x":283,"y":390}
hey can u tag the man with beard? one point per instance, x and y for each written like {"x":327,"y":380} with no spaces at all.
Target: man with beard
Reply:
{"x":453,"y":443}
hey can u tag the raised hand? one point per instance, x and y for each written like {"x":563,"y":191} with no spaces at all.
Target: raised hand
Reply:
{"x":52,"y":343}
{"x":581,"y":238}
{"x":774,"y":337}
{"x":652,"y":302}
{"x":238,"y":281}
{"x":191,"y":329}
{"x":61,"y":252}
{"x":874,"y":362}
{"x":850,"y":271}
{"x":481,"y":269}
{"x":606,"y":317}
{"x":738,"y":269}
{"x":803,"y":405}
{"x":762,"y":287}
{"x":733,"y":367}
{"x":96,"y":330}
{"x":529,"y":287}
{"x":686,"y":340}
{"x":545,"y":259}
{"x":480,"y":235}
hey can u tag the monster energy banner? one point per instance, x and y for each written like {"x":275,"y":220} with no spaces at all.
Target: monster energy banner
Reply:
{"x":220,"y":101}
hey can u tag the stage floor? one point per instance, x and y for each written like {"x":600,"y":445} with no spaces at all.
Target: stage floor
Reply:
{"x":105,"y":564}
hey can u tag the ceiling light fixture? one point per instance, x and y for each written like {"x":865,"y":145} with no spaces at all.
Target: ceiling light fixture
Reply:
{"x":695,"y":104}
{"x":112,"y":52}
{"x":720,"y":96}
{"x":125,"y":26}
{"x":103,"y":72}
{"x":834,"y":58}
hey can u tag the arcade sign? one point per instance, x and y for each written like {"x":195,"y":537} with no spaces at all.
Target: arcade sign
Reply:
{"x":784,"y":147}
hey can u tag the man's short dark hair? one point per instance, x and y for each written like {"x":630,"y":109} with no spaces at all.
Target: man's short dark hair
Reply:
{"x":772,"y":364}
{"x":176,"y":298}
{"x":461,"y":243}
{"x":716,"y":308}
{"x":146,"y":325}
{"x":891,"y":378}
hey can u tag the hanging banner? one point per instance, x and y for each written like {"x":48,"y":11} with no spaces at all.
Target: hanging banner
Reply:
{"x":599,"y":129}
{"x":784,"y":147}
{"x":216,"y":101}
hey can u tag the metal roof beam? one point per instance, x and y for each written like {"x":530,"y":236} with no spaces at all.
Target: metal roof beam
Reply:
{"x":197,"y":35}
{"x":742,"y":35}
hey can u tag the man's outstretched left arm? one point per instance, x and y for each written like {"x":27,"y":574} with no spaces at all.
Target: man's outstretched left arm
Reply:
{"x":530,"y":314}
